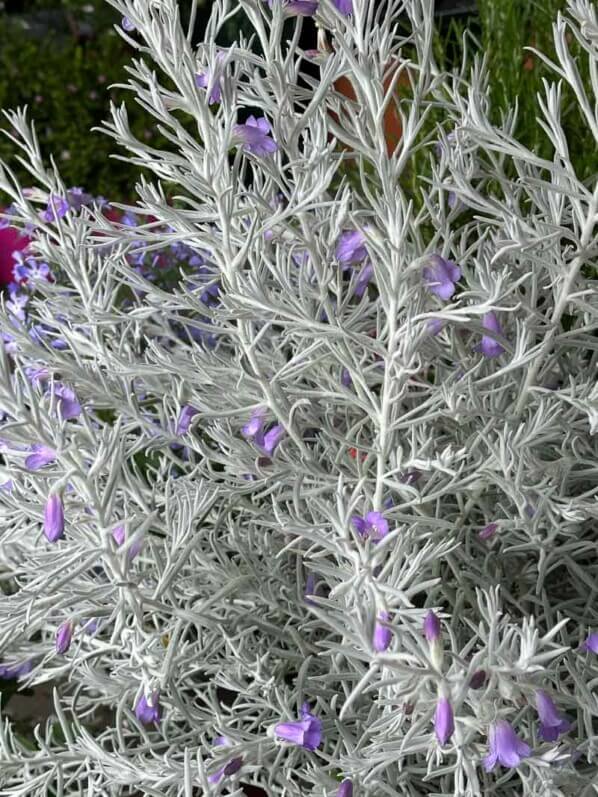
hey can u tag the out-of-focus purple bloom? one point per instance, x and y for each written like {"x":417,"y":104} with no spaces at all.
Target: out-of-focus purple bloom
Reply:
{"x":90,"y":626}
{"x":310,"y":588}
{"x":344,"y":7}
{"x":346,"y":380}
{"x":271,"y":439}
{"x":255,"y":423}
{"x":478,"y":679}
{"x":57,"y":208}
{"x":345,"y":789}
{"x":506,"y":748}
{"x":202,"y":81}
{"x":434,"y":326}
{"x":119,"y":537}
{"x":444,"y":723}
{"x":363,"y":279}
{"x":77,"y":197}
{"x":64,"y":634}
{"x":552,"y":724}
{"x":374,"y":525}
{"x":8,"y":672}
{"x":488,"y":531}
{"x":432,"y":628}
{"x":7,"y":486}
{"x":230,"y":768}
{"x":37,"y":374}
{"x":68,"y":406}
{"x":382,"y":633}
{"x":440,"y":276}
{"x":40,"y":457}
{"x":254,"y":136}
{"x":300,"y":8}
{"x":127,"y":24}
{"x":490,"y":347}
{"x":591,"y":644}
{"x":148,"y":711}
{"x":351,"y":248}
{"x":54,"y":518}
{"x":306,"y":733}
{"x":185,"y":417}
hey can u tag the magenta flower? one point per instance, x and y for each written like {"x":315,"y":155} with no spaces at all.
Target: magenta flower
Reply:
{"x":299,"y":8}
{"x":351,"y":248}
{"x":230,"y":768}
{"x":488,"y":531}
{"x":254,"y":136}
{"x":441,"y":276}
{"x":382,"y":633}
{"x":184,"y":421}
{"x":432,"y":627}
{"x":552,"y":724}
{"x":490,"y":347}
{"x":56,"y":209}
{"x":40,"y":457}
{"x":306,"y":733}
{"x":64,"y":634}
{"x":343,"y":7}
{"x":68,"y":406}
{"x":374,"y":525}
{"x":202,"y":80}
{"x":444,"y":723}
{"x":591,"y":644}
{"x":345,"y":789}
{"x":506,"y":748}
{"x":148,"y":711}
{"x":54,"y":518}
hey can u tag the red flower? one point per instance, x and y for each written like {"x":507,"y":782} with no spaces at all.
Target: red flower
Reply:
{"x":11,"y":241}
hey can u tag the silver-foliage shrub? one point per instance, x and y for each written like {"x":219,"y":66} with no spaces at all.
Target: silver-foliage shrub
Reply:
{"x":331,"y":492}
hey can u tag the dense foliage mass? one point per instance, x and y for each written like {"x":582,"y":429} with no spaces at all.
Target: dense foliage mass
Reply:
{"x":298,"y":488}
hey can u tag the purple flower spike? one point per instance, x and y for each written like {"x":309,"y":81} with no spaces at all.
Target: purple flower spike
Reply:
{"x":591,"y":644}
{"x":373,"y":525}
{"x":184,"y":421}
{"x":254,"y":136}
{"x":63,"y":637}
{"x":440,"y":276}
{"x":299,"y":8}
{"x":40,"y":457}
{"x":552,"y":724}
{"x":506,"y":748}
{"x":432,"y":627}
{"x":382,"y":633}
{"x":68,"y":406}
{"x":306,"y":733}
{"x":444,"y":723}
{"x":488,"y":531}
{"x":351,"y":248}
{"x":490,"y":347}
{"x":202,"y":81}
{"x":345,"y":789}
{"x":344,"y":7}
{"x":54,"y":518}
{"x":148,"y":711}
{"x":56,"y":209}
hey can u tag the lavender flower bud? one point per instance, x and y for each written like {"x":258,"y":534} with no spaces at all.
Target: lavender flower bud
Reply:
{"x":54,"y":518}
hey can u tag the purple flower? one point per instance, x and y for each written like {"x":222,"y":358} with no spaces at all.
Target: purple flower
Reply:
{"x":363,"y":279}
{"x":42,"y":455}
{"x":300,"y":8}
{"x":552,"y":724}
{"x":591,"y":644}
{"x":148,"y":711}
{"x":478,"y":679}
{"x":119,"y":537}
{"x":54,"y":518}
{"x":441,"y":276}
{"x":343,"y":7}
{"x":186,"y":415}
{"x":271,"y":439}
{"x":382,"y":633}
{"x":56,"y":209}
{"x":506,"y":748}
{"x":68,"y":406}
{"x":373,"y":525}
{"x":127,"y":24}
{"x":63,"y":637}
{"x":310,"y":588}
{"x":202,"y":81}
{"x":434,"y":326}
{"x":77,"y":198}
{"x":254,"y":136}
{"x":432,"y":627}
{"x":351,"y":248}
{"x":9,"y":672}
{"x":255,"y":424}
{"x":490,"y":347}
{"x":306,"y":733}
{"x":444,"y":723}
{"x":230,"y":768}
{"x":488,"y":531}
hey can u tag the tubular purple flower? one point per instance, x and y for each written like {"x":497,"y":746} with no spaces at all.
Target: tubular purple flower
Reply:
{"x":432,"y":627}
{"x":345,"y":789}
{"x":148,"y":711}
{"x":346,"y":379}
{"x":552,"y":724}
{"x":343,"y":7}
{"x":374,"y":525}
{"x":40,"y":457}
{"x":490,"y":347}
{"x":444,"y":723}
{"x":363,"y":279}
{"x":306,"y":733}
{"x":382,"y":633}
{"x":64,"y":634}
{"x":68,"y":406}
{"x":57,"y":208}
{"x":506,"y":748}
{"x":488,"y":531}
{"x":202,"y":81}
{"x":434,"y":326}
{"x":310,"y":588}
{"x":186,"y":415}
{"x":299,"y":8}
{"x":351,"y":248}
{"x":591,"y":644}
{"x":272,"y":438}
{"x":255,"y":424}
{"x":54,"y":518}
{"x":119,"y":536}
{"x":254,"y":136}
{"x":440,"y":276}
{"x":9,"y":672}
